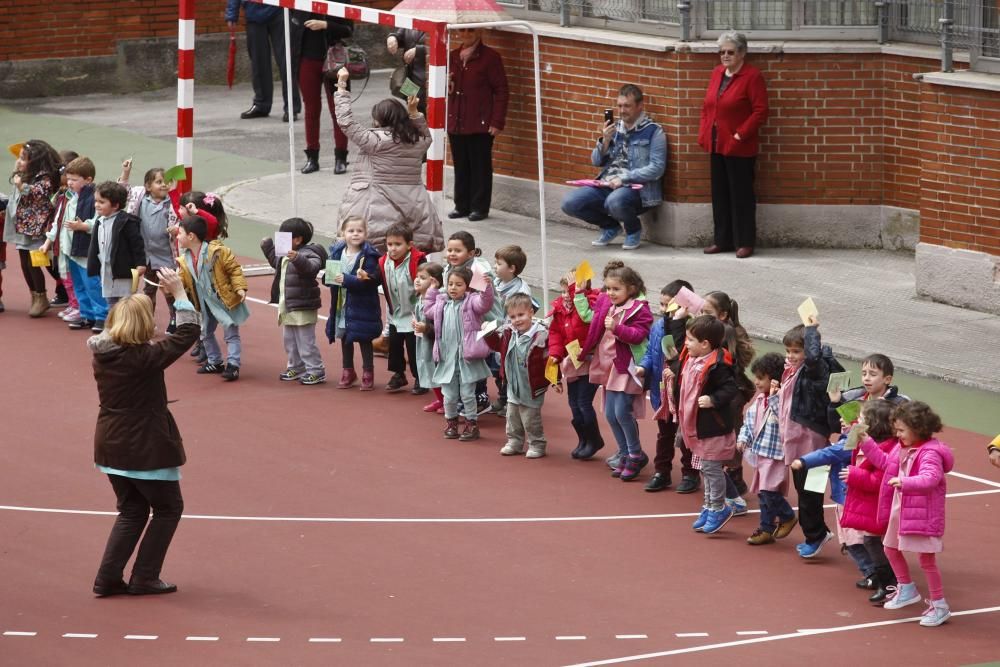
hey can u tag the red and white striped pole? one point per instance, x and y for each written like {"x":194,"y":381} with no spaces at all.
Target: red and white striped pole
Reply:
{"x":185,"y":91}
{"x":437,"y":95}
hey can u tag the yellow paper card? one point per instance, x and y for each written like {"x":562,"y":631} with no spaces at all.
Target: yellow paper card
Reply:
{"x":996,"y":441}
{"x":15,"y":149}
{"x":135,"y":280}
{"x":39,"y":258}
{"x":584,"y":273}
{"x":573,"y":350}
{"x":808,"y":309}
{"x":552,"y":371}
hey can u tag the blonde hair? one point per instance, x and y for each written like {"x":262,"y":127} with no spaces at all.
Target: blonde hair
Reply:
{"x":354,"y":218}
{"x":130,"y":321}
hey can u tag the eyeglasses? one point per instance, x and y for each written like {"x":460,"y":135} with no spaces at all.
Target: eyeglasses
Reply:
{"x":727,"y":52}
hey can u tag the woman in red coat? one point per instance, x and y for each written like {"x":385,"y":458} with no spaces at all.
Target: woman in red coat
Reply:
{"x":735,"y":107}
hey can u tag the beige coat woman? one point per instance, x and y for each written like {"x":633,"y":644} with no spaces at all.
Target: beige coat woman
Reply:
{"x":387,"y":185}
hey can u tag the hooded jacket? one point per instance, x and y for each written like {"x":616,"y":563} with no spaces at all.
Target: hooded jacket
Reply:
{"x":302,"y":290}
{"x":646,"y":145}
{"x":810,"y":400}
{"x":127,"y":249}
{"x":475,"y":306}
{"x":537,"y":356}
{"x":227,"y":275}
{"x":567,"y":325}
{"x":864,"y":482}
{"x":631,"y":334}
{"x":363,"y":312}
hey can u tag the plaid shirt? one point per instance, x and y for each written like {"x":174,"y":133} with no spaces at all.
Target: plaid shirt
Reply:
{"x":760,"y":428}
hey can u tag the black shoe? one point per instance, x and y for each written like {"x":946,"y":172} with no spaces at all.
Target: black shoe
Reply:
{"x":482,"y":404}
{"x":150,"y":587}
{"x":197,"y":349}
{"x":455,"y":214}
{"x":476,"y":216}
{"x":59,"y":300}
{"x":231,"y":373}
{"x":254,"y":112}
{"x":658,"y":482}
{"x":103,"y":589}
{"x":80,"y":325}
{"x":312,"y":161}
{"x":98,"y":326}
{"x":418,"y":390}
{"x":868,"y":583}
{"x":688,"y":485}
{"x":284,"y":117}
{"x":340,"y":166}
{"x":210,"y":369}
{"x":396,"y":383}
{"x":171,"y":328}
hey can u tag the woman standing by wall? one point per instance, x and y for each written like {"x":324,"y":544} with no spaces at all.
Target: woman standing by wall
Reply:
{"x":735,"y":107}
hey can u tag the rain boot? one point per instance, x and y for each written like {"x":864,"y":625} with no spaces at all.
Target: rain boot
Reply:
{"x":312,"y":161}
{"x":595,"y":442}
{"x":339,"y":161}
{"x":581,"y":438}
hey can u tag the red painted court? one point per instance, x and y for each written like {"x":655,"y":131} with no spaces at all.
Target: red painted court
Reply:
{"x":336,"y":527}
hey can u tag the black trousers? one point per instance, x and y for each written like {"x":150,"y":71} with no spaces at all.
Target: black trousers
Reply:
{"x":135,"y":498}
{"x":472,"y":157}
{"x":402,"y":350}
{"x":734,"y":206}
{"x":367,"y":354}
{"x":810,"y":508}
{"x":263,"y":40}
{"x":667,"y":441}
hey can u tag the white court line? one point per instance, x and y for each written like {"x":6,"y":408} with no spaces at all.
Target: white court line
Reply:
{"x":631,"y":636}
{"x":142,"y":637}
{"x":570,"y":638}
{"x":386,"y":640}
{"x":196,"y":638}
{"x":987,"y":482}
{"x":448,"y":639}
{"x":745,"y":633}
{"x":264,"y":639}
{"x":274,"y":305}
{"x":80,"y":635}
{"x":19,"y":633}
{"x":324,"y":640}
{"x":771,"y":638}
{"x":510,"y":639}
{"x":692,"y":634}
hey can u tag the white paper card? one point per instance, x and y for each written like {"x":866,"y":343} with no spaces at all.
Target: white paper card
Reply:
{"x":817,"y":478}
{"x":282,"y":243}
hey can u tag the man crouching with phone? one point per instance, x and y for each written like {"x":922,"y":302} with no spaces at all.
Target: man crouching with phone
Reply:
{"x":632,"y":154}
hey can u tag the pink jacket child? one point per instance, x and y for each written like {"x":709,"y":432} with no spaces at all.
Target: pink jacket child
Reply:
{"x":923,"y":493}
{"x":475,"y":306}
{"x":631,"y":335}
{"x":864,"y":483}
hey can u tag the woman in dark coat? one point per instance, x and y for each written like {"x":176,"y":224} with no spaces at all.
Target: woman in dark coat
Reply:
{"x":137,"y":443}
{"x":735,"y":107}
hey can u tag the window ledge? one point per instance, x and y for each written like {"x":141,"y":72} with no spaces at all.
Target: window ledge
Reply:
{"x":599,"y":36}
{"x":963,"y":79}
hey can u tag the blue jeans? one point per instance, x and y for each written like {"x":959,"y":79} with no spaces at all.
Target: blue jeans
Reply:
{"x":88,"y":293}
{"x":605,"y":207}
{"x":860,"y":556}
{"x":618,"y":410}
{"x":773,"y":506}
{"x":231,"y":334}
{"x":580,"y":394}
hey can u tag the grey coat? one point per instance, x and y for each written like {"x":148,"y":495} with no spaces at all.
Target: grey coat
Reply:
{"x":387,"y":186}
{"x":302,"y":290}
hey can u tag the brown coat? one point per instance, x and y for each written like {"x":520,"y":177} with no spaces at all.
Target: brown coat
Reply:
{"x":227,"y":275}
{"x":135,"y":430}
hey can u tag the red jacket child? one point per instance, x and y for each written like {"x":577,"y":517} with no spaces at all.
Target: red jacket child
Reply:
{"x":567,"y":325}
{"x":537,"y":356}
{"x":417,"y":257}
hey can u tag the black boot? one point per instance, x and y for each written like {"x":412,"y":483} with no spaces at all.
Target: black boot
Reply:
{"x":339,"y":161}
{"x":885,"y":580}
{"x":581,"y":439}
{"x":312,"y":161}
{"x":594,"y":441}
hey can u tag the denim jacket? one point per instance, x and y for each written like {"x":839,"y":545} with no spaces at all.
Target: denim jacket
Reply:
{"x":647,"y":157}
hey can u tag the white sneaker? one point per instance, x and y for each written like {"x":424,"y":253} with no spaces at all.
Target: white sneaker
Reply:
{"x":738,"y":505}
{"x":535,"y":452}
{"x":905,"y":595}
{"x":510,"y":450}
{"x":936,"y":614}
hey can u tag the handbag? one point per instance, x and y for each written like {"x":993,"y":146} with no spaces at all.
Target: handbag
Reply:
{"x":352,"y":57}
{"x":396,"y":81}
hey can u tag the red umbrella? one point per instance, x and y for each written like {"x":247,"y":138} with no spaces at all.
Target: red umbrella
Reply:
{"x":454,"y":11}
{"x":231,"y":65}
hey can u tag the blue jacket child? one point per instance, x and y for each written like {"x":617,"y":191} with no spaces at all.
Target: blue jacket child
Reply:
{"x":652,"y":361}
{"x":836,"y":457}
{"x":362,"y":310}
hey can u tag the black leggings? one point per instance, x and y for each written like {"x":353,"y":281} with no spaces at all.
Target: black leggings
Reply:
{"x":367,"y":354}
{"x":34,"y":277}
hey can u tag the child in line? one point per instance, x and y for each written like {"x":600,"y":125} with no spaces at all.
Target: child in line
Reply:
{"x":761,"y":435}
{"x":3,"y":244}
{"x":863,"y":481}
{"x":617,"y":339}
{"x":156,"y":216}
{"x":36,"y":179}
{"x":77,"y":218}
{"x":116,"y":248}
{"x":913,"y":496}
{"x":876,"y":382}
{"x":57,"y":243}
{"x":459,"y":354}
{"x":207,"y":206}
{"x":651,"y":369}
{"x":430,"y":274}
{"x":509,"y":262}
{"x":399,"y":267}
{"x":461,"y":252}
{"x":802,"y":418}
{"x":567,"y":327}
{"x":214,"y":281}
{"x":523,"y":345}
{"x":704,"y":388}
{"x":63,"y":291}
{"x":296,"y":291}
{"x":355,"y":311}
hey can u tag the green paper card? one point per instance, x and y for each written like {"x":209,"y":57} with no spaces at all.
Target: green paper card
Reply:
{"x":854,"y":436}
{"x":333,"y":269}
{"x":175,"y":173}
{"x":839,"y":382}
{"x":408,"y":89}
{"x":850,"y":411}
{"x":667,"y":344}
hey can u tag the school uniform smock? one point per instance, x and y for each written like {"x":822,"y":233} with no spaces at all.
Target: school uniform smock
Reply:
{"x":761,"y":433}
{"x":208,"y":295}
{"x":425,"y":349}
{"x":798,"y":440}
{"x":713,"y":448}
{"x":450,"y":338}
{"x":516,"y":369}
{"x":604,"y":373}
{"x":402,"y":297}
{"x":154,"y":218}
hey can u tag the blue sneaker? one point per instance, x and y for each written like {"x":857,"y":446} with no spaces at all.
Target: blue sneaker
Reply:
{"x":812,"y":549}
{"x":607,"y":236}
{"x":717,"y":519}
{"x":632,"y":241}
{"x":738,"y":505}
{"x":699,"y":523}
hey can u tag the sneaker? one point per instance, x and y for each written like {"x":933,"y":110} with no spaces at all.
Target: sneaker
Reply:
{"x":171,"y":328}
{"x":785,"y":528}
{"x":688,"y":485}
{"x":607,"y":236}
{"x":433,"y":406}
{"x":396,"y":383}
{"x":98,"y":326}
{"x":717,"y":519}
{"x":620,"y":468}
{"x":905,"y":595}
{"x":470,"y":432}
{"x":197,"y":350}
{"x":291,"y":375}
{"x":79,"y":324}
{"x":632,"y":241}
{"x":535,"y":452}
{"x":210,"y":368}
{"x":313,"y":378}
{"x":451,"y":429}
{"x":499,"y":408}
{"x":482,"y":404}
{"x":511,"y":450}
{"x":812,"y":549}
{"x":759,"y":537}
{"x":658,"y":482}
{"x":936,"y":614}
{"x":738,"y":505}
{"x":699,"y":523}
{"x":231,"y":373}
{"x":59,"y":300}
{"x":613,"y":460}
{"x":633,"y":466}
{"x":69,"y":314}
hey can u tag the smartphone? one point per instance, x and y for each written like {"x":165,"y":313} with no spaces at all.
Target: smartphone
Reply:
{"x":609,"y":116}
